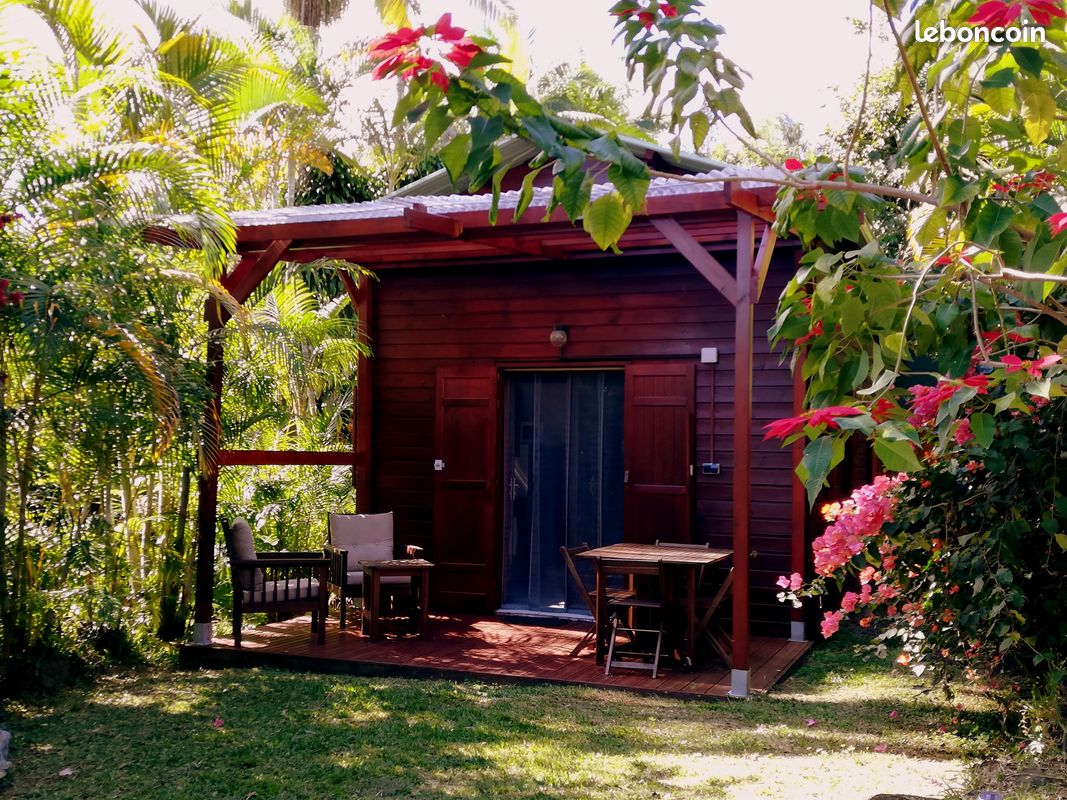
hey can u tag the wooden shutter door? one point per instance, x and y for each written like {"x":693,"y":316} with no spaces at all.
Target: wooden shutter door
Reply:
{"x":465,"y":490}
{"x":659,"y":451}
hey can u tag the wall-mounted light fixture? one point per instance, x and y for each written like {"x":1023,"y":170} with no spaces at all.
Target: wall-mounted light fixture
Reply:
{"x":558,"y":337}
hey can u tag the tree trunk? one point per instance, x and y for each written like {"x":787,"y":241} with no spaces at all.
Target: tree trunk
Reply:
{"x":3,"y":498}
{"x":174,"y":594}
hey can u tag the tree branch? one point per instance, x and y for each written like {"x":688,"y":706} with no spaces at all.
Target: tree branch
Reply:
{"x":846,"y":185}
{"x":916,"y":89}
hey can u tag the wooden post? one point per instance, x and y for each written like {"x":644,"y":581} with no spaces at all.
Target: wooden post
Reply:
{"x":742,"y":485}
{"x":799,"y":500}
{"x":208,"y":484}
{"x":361,"y":434}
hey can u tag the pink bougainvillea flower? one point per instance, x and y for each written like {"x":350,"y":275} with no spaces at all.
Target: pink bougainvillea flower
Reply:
{"x":894,"y":714}
{"x":793,"y":164}
{"x":1057,"y":222}
{"x":830,"y":622}
{"x":811,"y":723}
{"x":855,"y":521}
{"x":217,"y":723}
{"x":881,"y":747}
{"x":963,"y":433}
{"x":792,"y":582}
{"x":849,"y":601}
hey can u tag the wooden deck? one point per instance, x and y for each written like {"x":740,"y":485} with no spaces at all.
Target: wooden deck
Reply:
{"x":486,"y":648}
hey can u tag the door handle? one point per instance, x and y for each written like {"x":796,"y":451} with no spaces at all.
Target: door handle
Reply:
{"x":439,"y":465}
{"x":626,"y":476}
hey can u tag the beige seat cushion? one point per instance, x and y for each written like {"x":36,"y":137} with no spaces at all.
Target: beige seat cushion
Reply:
{"x":366,"y":537}
{"x":292,"y":589}
{"x":356,"y":579}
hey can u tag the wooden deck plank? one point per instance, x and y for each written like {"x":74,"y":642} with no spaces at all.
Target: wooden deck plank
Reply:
{"x":494,"y":648}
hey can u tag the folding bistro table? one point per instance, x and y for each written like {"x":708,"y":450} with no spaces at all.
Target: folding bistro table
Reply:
{"x":692,"y":560}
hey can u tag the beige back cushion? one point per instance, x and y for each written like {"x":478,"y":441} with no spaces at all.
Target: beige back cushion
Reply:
{"x":243,"y":548}
{"x":366,"y":537}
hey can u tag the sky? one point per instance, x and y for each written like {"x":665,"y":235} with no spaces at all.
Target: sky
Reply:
{"x":800,"y":56}
{"x":796,"y":53}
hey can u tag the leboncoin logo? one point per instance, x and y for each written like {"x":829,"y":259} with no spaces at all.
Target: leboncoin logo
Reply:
{"x":967,"y":34}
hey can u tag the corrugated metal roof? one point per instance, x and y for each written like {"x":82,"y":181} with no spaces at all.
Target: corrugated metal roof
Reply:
{"x":517,"y":151}
{"x":393,"y":207}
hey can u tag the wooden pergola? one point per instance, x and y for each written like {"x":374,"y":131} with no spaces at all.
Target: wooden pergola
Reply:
{"x":695,"y":220}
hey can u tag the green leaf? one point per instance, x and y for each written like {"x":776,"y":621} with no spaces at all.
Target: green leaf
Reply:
{"x":541,"y":132}
{"x":1039,"y":110}
{"x":1061,"y":540}
{"x":991,"y":221}
{"x":437,"y":121}
{"x":816,"y":465}
{"x":454,"y":155}
{"x":955,"y":190}
{"x":1029,"y":59}
{"x":633,"y":188}
{"x":983,"y":426}
{"x":897,"y":456}
{"x":606,"y":219}
{"x":526,"y":193}
{"x":699,"y":127}
{"x":572,"y":191}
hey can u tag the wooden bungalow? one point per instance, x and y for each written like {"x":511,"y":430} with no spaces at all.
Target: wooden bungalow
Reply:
{"x":528,"y":390}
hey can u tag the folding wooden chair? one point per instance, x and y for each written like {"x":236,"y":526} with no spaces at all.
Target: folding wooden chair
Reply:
{"x":586,"y":593}
{"x":625,"y":607}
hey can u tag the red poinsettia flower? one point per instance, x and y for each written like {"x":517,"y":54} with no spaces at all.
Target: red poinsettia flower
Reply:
{"x":444,"y":30}
{"x":784,"y":428}
{"x":1057,"y":222}
{"x":1033,"y":368}
{"x":625,"y":11}
{"x":996,"y":14}
{"x":1044,"y":10}
{"x":393,"y":43}
{"x":978,"y":382}
{"x":647,"y":18}
{"x":816,"y":330}
{"x":462,"y":53}
{"x":882,"y":408}
{"x":1018,"y":338}
{"x":668,"y":10}
{"x":793,"y":164}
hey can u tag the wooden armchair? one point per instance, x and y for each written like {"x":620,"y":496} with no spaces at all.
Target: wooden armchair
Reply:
{"x":361,"y":537}
{"x":288,"y":583}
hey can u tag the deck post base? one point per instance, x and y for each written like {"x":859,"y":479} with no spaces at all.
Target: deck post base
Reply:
{"x":203,"y":632}
{"x":796,"y":632}
{"x":739,"y":683}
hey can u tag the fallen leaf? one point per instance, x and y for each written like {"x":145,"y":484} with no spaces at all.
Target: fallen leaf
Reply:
{"x":894,"y":714}
{"x":217,"y":723}
{"x":811,"y":723}
{"x":66,"y":772}
{"x":881,"y":747}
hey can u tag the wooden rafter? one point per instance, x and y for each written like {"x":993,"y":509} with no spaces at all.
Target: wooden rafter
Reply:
{"x":418,"y":219}
{"x":250,"y":272}
{"x":762,"y":265}
{"x":696,"y":254}
{"x":253,"y":458}
{"x":748,"y":201}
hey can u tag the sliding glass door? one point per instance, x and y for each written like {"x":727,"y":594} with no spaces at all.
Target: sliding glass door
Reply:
{"x":563,"y":481}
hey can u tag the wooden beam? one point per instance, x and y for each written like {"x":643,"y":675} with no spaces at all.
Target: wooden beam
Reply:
{"x":763,"y":261}
{"x":798,"y":500}
{"x":747,"y":201}
{"x":418,"y":219}
{"x":704,"y":262}
{"x":252,"y":458}
{"x":249,"y":272}
{"x":742,"y":477}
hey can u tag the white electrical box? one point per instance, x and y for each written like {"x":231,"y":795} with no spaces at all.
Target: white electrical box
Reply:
{"x":709,"y":355}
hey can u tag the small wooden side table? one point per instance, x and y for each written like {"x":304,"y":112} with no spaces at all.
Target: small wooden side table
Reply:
{"x":373,"y":571}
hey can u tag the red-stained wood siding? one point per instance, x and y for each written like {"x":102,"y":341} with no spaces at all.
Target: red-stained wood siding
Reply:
{"x":617,"y":311}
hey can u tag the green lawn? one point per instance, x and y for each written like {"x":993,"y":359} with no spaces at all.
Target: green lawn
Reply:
{"x":152,"y":734}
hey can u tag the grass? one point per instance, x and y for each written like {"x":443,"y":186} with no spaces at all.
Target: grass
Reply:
{"x":151,"y":734}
